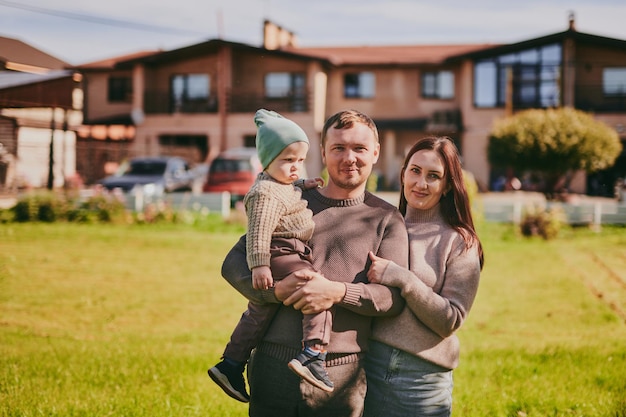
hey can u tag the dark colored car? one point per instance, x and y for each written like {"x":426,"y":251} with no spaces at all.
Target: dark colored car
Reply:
{"x":152,"y":175}
{"x":233,"y":170}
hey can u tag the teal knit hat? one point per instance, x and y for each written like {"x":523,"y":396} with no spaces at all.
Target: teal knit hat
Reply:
{"x":275,"y":133}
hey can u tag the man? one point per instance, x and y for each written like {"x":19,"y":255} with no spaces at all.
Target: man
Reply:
{"x":349,"y":222}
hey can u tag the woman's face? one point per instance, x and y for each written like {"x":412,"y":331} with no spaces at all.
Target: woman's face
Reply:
{"x":424,"y":180}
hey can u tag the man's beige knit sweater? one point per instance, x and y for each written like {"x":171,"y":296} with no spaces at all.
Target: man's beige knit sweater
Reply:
{"x":274,"y":210}
{"x":439,"y":290}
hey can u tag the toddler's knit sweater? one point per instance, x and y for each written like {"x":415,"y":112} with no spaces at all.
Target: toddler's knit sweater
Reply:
{"x":274,"y":209}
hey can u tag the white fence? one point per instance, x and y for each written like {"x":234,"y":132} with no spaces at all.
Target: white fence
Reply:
{"x":584,"y":212}
{"x":510,"y":207}
{"x":213,"y":202}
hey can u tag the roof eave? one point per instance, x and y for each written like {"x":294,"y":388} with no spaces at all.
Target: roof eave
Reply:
{"x":543,"y":40}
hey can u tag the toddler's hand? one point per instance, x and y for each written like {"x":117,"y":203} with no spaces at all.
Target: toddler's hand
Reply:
{"x":262,"y":278}
{"x":313,"y":183}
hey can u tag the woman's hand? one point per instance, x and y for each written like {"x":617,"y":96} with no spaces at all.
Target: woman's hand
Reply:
{"x":377,"y":268}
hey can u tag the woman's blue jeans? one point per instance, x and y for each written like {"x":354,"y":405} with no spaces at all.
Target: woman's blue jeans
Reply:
{"x":402,"y":385}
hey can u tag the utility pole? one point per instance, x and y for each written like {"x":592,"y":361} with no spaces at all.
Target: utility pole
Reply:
{"x":51,"y":153}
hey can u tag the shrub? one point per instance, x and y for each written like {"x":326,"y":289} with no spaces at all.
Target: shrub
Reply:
{"x":45,"y":206}
{"x":97,"y":209}
{"x":552,"y":143}
{"x":40,"y":206}
{"x":542,"y":222}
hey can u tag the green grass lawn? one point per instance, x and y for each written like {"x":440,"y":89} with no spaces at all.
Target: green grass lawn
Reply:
{"x":99,"y":320}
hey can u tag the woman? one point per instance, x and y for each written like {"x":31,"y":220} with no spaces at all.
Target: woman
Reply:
{"x":411,"y":357}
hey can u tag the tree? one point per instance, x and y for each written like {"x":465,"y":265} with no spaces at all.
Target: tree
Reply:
{"x":552,"y":143}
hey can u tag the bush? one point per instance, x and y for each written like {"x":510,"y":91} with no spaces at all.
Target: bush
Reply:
{"x":97,"y":209}
{"x":108,"y":208}
{"x":551,"y":143}
{"x":541,"y":222}
{"x":41,"y":206}
{"x":45,"y":206}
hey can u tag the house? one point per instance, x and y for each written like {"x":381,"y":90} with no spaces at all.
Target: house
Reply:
{"x":39,"y":111}
{"x":199,"y":100}
{"x":108,"y":130}
{"x":569,"y":68}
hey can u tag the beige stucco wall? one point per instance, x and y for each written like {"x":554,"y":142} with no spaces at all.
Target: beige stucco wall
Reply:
{"x":96,"y":104}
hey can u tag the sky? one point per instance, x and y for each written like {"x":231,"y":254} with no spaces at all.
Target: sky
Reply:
{"x":86,"y":31}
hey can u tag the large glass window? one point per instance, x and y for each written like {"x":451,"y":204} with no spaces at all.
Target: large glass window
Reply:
{"x":190,"y":92}
{"x":359,"y":85}
{"x":535,"y":78}
{"x":438,"y":84}
{"x":614,"y":81}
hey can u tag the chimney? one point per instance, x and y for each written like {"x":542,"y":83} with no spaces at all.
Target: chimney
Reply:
{"x":276,"y":37}
{"x":572,"y":21}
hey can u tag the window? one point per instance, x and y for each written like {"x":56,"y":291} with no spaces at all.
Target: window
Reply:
{"x":120,"y":90}
{"x":359,"y":85}
{"x":535,"y":78}
{"x":614,"y":81}
{"x":249,"y":141}
{"x":485,"y":89}
{"x":283,"y":84}
{"x":288,"y":87}
{"x":190,"y":92}
{"x":438,"y":84}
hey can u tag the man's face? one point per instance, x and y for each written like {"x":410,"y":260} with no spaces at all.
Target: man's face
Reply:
{"x":349,"y":155}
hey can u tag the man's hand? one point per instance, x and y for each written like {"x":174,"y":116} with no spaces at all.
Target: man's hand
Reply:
{"x":312,"y":292}
{"x":262,"y":277}
{"x":288,"y":285}
{"x":376,"y":270}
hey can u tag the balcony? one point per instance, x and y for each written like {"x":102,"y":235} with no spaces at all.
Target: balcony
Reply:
{"x":249,"y":103}
{"x":161,"y":102}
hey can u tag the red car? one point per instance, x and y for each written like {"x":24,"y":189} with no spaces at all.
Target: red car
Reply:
{"x":234,"y":170}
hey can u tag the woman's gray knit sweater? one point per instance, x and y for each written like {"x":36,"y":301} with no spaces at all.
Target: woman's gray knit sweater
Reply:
{"x":439,"y":290}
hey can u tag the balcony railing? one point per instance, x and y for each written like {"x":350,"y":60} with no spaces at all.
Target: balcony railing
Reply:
{"x":587,"y":97}
{"x":161,"y":102}
{"x":246,"y":103}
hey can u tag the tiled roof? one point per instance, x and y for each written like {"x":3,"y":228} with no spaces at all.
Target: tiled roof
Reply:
{"x":18,"y":52}
{"x":109,"y":63}
{"x":389,"y":55}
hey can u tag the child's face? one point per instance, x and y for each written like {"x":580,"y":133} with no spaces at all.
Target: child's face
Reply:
{"x":287,"y":167}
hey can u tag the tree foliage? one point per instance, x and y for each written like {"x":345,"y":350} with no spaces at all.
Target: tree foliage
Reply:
{"x":552,"y":143}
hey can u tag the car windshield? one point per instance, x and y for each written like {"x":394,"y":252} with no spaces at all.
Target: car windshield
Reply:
{"x":230,"y":165}
{"x":146,"y":168}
